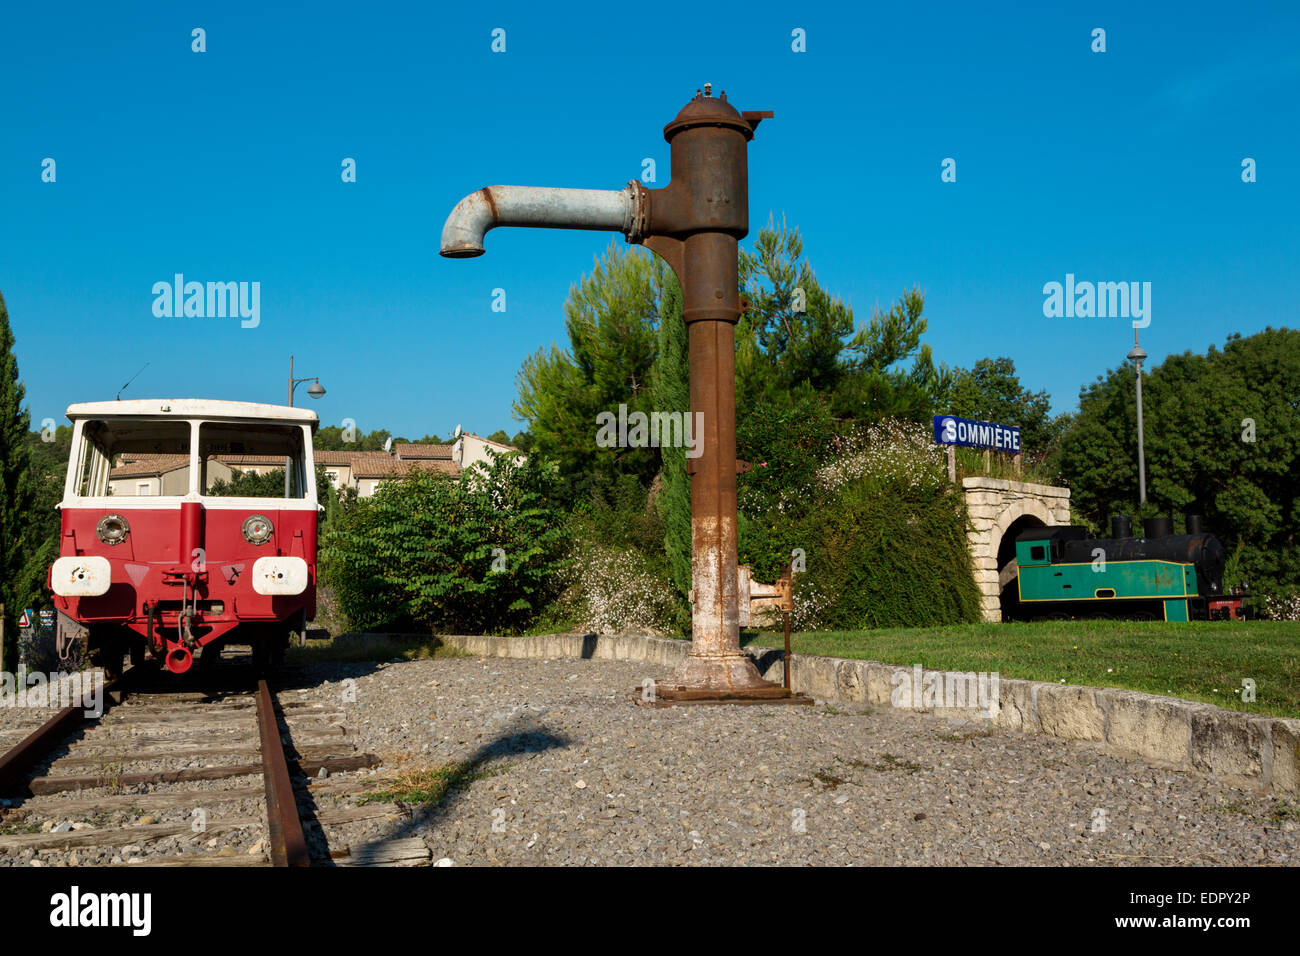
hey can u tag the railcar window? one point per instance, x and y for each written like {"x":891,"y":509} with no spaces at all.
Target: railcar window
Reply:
{"x":1037,"y":552}
{"x":249,"y":461}
{"x":116,"y":457}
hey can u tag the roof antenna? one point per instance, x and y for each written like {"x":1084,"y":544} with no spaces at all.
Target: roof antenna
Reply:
{"x":129,"y":381}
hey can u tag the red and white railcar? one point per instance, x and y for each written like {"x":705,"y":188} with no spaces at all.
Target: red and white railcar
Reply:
{"x":155,"y":553}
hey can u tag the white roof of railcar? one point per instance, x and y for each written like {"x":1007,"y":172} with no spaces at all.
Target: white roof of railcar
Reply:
{"x":192,"y":408}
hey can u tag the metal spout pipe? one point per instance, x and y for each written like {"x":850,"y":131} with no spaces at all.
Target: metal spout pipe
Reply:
{"x":605,"y":210}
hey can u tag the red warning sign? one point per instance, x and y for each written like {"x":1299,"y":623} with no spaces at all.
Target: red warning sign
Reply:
{"x":25,"y":619}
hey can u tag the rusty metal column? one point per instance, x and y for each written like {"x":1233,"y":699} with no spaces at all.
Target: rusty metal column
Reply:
{"x":695,"y":224}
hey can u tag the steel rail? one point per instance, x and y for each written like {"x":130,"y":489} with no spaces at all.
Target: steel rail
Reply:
{"x":37,"y":745}
{"x":284,"y":827}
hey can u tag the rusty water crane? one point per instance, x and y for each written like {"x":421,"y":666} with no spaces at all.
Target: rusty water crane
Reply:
{"x":695,"y":224}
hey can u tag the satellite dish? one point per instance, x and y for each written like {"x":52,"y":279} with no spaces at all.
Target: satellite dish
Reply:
{"x":456,"y":433}
{"x":388,"y":443}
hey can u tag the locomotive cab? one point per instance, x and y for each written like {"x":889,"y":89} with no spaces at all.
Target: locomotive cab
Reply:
{"x":185,"y":524}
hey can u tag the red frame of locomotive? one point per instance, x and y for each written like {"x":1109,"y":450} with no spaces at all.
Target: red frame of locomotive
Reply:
{"x":174,"y":573}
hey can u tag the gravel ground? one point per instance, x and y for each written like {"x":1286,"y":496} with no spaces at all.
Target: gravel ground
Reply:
{"x":561,"y":767}
{"x":567,"y":770}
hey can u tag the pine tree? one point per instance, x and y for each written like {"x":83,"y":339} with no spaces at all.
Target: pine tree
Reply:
{"x":610,"y":319}
{"x":21,"y":557}
{"x":671,"y":388}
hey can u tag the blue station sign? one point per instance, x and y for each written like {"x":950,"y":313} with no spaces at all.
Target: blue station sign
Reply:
{"x":950,"y":430}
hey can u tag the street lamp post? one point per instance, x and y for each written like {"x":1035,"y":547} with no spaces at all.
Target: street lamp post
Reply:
{"x":315,"y":390}
{"x":1137,"y":355}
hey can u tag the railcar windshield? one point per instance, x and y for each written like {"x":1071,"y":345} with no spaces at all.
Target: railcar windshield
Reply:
{"x":143,"y":458}
{"x":252,"y":461}
{"x":132,"y":457}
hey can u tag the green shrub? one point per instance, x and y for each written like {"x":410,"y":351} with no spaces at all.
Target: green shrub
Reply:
{"x":893,"y":555}
{"x":477,"y":553}
{"x":785,"y":446}
{"x":882,"y":531}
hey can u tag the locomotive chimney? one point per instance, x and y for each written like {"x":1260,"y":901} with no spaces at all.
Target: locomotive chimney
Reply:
{"x":1194,"y":524}
{"x":1121,"y":526}
{"x":1158,"y":527}
{"x":694,"y":223}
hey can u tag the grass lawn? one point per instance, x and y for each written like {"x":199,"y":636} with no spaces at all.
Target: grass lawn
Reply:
{"x":1196,"y":661}
{"x":352,"y":648}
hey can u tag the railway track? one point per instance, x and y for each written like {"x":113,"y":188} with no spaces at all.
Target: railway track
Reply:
{"x":169,"y":776}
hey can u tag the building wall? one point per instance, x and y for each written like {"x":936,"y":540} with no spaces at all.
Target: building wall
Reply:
{"x":340,"y":476}
{"x":217,"y":471}
{"x":176,"y":482}
{"x":474,"y":450}
{"x":128,"y":487}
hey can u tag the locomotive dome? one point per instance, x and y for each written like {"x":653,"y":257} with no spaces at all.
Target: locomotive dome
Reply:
{"x":709,"y":110}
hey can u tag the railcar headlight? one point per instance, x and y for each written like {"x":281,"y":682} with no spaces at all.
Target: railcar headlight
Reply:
{"x":112,"y":529}
{"x":257,"y":529}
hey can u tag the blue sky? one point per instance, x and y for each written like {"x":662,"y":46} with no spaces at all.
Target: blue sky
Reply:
{"x":225,"y":166}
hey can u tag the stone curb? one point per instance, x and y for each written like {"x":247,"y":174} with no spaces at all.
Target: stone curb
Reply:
{"x":1245,"y":750}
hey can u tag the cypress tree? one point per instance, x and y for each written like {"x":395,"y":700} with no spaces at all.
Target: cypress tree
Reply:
{"x":671,"y":389}
{"x":20,"y":555}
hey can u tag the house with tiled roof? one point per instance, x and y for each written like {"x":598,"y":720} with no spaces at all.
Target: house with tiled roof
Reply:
{"x":150,"y":475}
{"x":411,"y":451}
{"x":470,"y":449}
{"x":339,"y":466}
{"x":372,"y":471}
{"x":465,"y":452}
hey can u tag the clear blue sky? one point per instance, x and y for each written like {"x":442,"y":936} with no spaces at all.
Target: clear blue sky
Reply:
{"x":225,"y":165}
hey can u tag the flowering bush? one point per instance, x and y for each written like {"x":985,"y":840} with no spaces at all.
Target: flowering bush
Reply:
{"x":809,"y":604}
{"x":1281,"y":605}
{"x":614,"y":589}
{"x":892,"y":452}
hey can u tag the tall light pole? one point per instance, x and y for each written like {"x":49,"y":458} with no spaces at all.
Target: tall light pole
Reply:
{"x":315,"y":390}
{"x":1137,"y":355}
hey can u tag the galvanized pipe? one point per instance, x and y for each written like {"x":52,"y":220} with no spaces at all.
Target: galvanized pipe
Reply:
{"x":605,"y":210}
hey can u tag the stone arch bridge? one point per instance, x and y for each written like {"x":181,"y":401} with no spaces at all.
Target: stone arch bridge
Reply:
{"x":999,"y":511}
